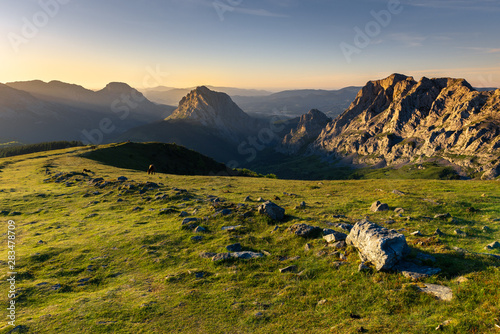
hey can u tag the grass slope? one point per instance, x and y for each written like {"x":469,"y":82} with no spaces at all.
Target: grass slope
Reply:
{"x":89,"y":263}
{"x":168,"y":158}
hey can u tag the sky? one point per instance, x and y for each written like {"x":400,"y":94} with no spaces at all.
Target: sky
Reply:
{"x":271,"y":44}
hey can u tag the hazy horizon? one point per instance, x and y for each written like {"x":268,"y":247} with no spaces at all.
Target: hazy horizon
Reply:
{"x":271,"y":45}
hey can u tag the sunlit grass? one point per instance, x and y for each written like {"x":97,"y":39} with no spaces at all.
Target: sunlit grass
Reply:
{"x":136,"y":271}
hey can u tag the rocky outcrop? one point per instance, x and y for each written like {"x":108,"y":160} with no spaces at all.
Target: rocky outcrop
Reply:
{"x":398,"y":120}
{"x":214,"y":110}
{"x":382,"y":247}
{"x":272,"y":210}
{"x":307,"y":131}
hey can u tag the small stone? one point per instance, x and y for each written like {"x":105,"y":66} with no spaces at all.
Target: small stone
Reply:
{"x":272,"y":210}
{"x":207,"y":255}
{"x":183,"y":214}
{"x":260,"y":199}
{"x":259,"y":314}
{"x":439,"y":291}
{"x":122,"y":179}
{"x":200,"y":229}
{"x":247,"y":199}
{"x":322,"y":302}
{"x":333,"y":236}
{"x":460,"y":233}
{"x":305,"y":231}
{"x":462,"y":279}
{"x":399,"y":210}
{"x":221,"y":257}
{"x":197,"y":238}
{"x":442,"y":216}
{"x":438,"y":232}
{"x":186,"y":221}
{"x":342,"y":257}
{"x":137,"y":208}
{"x":378,"y":207}
{"x":338,"y":244}
{"x":486,"y":229}
{"x":307,"y":247}
{"x":416,"y":234}
{"x":494,"y":245}
{"x":303,"y":204}
{"x":397,"y":192}
{"x":288,"y":269}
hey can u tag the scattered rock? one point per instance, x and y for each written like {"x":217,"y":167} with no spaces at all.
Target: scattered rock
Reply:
{"x":486,"y":229}
{"x":302,"y":205}
{"x":461,"y":279}
{"x":226,"y":212}
{"x":307,"y":247}
{"x":260,"y":199}
{"x":399,"y":210}
{"x":442,"y":216}
{"x":378,"y":245}
{"x":197,"y":238}
{"x":231,"y":228}
{"x":122,"y":179}
{"x":397,"y":192}
{"x":378,"y":207}
{"x":183,"y":214}
{"x":200,"y":229}
{"x":92,"y":215}
{"x":337,"y":245}
{"x":247,"y":199}
{"x":494,"y":245}
{"x":137,"y":208}
{"x":417,"y":234}
{"x":334,"y":236}
{"x":207,"y":255}
{"x":343,"y":226}
{"x":221,"y":257}
{"x":187,"y":221}
{"x":272,"y":210}
{"x":288,"y":269}
{"x":234,"y":247}
{"x":460,"y":233}
{"x":236,"y":255}
{"x":414,"y":271}
{"x":322,"y":302}
{"x":439,"y":291}
{"x":305,"y":231}
{"x":438,"y":232}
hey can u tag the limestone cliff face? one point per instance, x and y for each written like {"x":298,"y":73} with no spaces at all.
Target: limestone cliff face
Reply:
{"x":308,"y":130}
{"x":398,"y":120}
{"x":215,"y":110}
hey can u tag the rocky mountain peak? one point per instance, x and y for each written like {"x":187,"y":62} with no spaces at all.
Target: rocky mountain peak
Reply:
{"x":396,"y":120}
{"x":308,"y":129}
{"x":215,"y":110}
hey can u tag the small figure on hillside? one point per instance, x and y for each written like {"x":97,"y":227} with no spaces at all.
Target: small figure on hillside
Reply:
{"x":151,"y":170}
{"x":85,"y":170}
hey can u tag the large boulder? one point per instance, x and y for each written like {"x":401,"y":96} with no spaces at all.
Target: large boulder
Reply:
{"x":272,"y":210}
{"x":382,"y":247}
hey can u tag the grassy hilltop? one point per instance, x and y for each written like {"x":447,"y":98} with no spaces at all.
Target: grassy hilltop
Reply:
{"x":115,"y":259}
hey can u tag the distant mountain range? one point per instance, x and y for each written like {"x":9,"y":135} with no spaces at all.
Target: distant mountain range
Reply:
{"x":35,"y":111}
{"x":395,"y":122}
{"x":261,"y":103}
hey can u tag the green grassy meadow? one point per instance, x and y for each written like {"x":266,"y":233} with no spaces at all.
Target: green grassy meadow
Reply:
{"x":108,"y":260}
